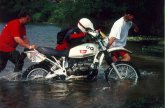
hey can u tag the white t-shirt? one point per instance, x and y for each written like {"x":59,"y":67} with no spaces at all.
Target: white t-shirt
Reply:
{"x":120,"y":31}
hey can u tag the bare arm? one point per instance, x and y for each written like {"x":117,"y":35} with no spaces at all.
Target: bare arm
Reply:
{"x":23,"y":43}
{"x":111,"y":40}
{"x":136,"y":29}
{"x":26,"y":40}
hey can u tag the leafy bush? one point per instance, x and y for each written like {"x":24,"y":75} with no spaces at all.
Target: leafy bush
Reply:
{"x":103,"y":13}
{"x":37,"y":17}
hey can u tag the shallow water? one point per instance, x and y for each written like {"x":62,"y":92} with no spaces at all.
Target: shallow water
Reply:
{"x":148,"y":93}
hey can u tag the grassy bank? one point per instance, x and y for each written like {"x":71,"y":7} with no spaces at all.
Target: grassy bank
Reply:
{"x":149,"y":45}
{"x":145,"y":38}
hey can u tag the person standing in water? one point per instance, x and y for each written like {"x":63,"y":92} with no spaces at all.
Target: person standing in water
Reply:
{"x":12,"y":35}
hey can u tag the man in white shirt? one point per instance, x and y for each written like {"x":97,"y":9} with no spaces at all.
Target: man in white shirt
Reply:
{"x":119,"y":33}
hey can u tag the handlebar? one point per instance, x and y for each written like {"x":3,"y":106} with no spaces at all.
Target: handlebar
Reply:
{"x":96,"y":33}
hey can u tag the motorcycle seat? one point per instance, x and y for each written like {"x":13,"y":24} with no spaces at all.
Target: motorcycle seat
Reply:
{"x":52,"y":52}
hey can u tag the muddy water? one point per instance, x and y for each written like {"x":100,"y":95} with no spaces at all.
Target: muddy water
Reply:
{"x":148,"y":93}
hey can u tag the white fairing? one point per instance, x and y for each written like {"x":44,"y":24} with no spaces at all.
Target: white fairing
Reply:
{"x":83,"y":50}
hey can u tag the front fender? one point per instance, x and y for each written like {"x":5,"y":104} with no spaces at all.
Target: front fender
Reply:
{"x":114,"y":49}
{"x":110,"y":51}
{"x":101,"y":59}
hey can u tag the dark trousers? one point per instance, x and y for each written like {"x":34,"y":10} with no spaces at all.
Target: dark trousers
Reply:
{"x":15,"y":57}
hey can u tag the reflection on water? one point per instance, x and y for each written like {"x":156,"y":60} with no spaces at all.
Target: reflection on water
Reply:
{"x":98,"y":94}
{"x":23,"y":95}
{"x":59,"y":95}
{"x":12,"y":95}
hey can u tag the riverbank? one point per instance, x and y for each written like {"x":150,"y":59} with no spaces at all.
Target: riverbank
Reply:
{"x":153,"y":63}
{"x":146,"y":45}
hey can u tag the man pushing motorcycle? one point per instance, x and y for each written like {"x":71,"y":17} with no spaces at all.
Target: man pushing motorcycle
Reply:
{"x":119,"y":33}
{"x":12,"y":35}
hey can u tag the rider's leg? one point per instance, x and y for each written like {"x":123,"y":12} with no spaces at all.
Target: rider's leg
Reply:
{"x":126,"y":57}
{"x":114,"y":59}
{"x":115,"y":56}
{"x":120,"y":56}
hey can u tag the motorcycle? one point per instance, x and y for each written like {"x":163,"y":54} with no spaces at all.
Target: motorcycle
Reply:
{"x":81,"y":62}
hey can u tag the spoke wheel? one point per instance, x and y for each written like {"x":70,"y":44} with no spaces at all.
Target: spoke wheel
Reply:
{"x":129,"y":74}
{"x":35,"y":73}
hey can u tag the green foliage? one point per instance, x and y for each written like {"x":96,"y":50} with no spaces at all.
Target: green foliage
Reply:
{"x":144,"y":38}
{"x":103,"y":13}
{"x":37,"y":17}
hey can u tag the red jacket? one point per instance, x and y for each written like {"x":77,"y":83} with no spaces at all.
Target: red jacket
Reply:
{"x":65,"y":45}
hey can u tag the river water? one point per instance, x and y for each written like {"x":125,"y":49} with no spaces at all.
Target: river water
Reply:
{"x":148,"y":93}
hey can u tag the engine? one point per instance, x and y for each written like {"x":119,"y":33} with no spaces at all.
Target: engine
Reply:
{"x":79,"y":66}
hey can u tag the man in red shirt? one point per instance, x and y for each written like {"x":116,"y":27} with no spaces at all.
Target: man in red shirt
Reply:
{"x":12,"y":35}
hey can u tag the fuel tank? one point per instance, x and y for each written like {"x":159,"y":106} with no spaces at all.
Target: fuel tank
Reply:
{"x":83,"y":50}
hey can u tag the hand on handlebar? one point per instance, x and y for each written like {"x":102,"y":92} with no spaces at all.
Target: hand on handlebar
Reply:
{"x":108,"y":46}
{"x":93,"y":33}
{"x":32,"y":47}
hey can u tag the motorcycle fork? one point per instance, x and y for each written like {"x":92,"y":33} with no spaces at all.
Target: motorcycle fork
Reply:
{"x":116,"y":70}
{"x":111,"y":63}
{"x":64,"y":63}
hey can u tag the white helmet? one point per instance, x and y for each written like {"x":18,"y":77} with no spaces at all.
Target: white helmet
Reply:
{"x":85,"y":24}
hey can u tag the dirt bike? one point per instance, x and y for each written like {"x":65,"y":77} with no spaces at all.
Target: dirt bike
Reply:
{"x":80,"y":62}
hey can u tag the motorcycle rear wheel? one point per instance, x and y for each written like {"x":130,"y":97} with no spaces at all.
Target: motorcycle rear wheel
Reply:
{"x":129,"y":73}
{"x":35,"y":72}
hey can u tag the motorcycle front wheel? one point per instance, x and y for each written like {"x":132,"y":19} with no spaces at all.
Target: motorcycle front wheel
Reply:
{"x":129,"y":73}
{"x":35,"y":72}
